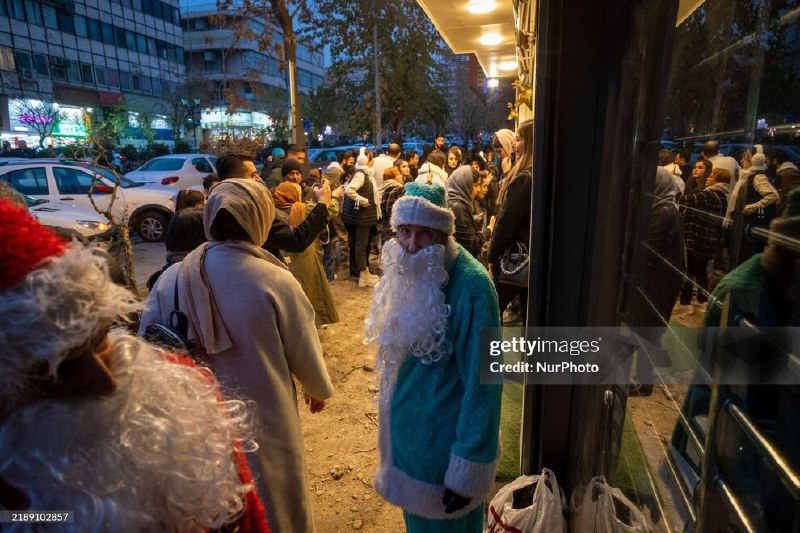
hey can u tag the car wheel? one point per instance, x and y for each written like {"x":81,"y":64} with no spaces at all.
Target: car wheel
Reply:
{"x":151,"y":226}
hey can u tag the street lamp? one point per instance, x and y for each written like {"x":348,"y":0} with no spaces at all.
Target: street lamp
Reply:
{"x":191,"y":108}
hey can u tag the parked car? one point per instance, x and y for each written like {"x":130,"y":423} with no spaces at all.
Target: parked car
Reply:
{"x":85,"y":222}
{"x":321,"y":157}
{"x":179,"y":171}
{"x":147,"y":208}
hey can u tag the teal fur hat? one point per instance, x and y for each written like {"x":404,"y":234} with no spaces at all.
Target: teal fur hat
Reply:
{"x":423,"y":205}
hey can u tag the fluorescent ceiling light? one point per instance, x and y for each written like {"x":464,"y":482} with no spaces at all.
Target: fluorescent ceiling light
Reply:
{"x":479,"y":7}
{"x":491,"y":39}
{"x":508,"y":65}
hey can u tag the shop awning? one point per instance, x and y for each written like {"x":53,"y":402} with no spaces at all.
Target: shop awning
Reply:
{"x":490,"y":35}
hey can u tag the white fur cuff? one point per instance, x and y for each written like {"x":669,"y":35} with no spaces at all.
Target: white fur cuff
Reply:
{"x":469,"y":478}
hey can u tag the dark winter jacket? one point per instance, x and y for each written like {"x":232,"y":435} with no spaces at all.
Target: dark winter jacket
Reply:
{"x":702,"y":220}
{"x":513,"y":222}
{"x":284,"y":238}
{"x":788,"y":180}
{"x":275,"y":177}
{"x":362,"y":216}
{"x":459,"y":199}
{"x":665,"y":260}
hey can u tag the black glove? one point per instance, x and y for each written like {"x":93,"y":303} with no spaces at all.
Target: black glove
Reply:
{"x":454,"y":501}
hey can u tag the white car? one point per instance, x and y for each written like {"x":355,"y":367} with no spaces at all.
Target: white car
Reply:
{"x":179,"y":171}
{"x":70,"y":219}
{"x":147,"y":208}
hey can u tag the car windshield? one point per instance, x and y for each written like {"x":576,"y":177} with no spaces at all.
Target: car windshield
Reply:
{"x":124,"y":182}
{"x":160,"y":165}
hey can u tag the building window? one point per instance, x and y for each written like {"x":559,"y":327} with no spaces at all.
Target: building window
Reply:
{"x":108,"y":33}
{"x":73,"y":72}
{"x":87,"y":73}
{"x":101,"y":76}
{"x":157,"y":86}
{"x":130,"y":41}
{"x":147,"y":87}
{"x":65,"y":23}
{"x":113,"y":79}
{"x":24,"y":60}
{"x":151,"y":47}
{"x":141,"y":43}
{"x":80,"y":26}
{"x":94,"y":29}
{"x":303,"y":78}
{"x":40,"y":62}
{"x":119,"y":37}
{"x":124,"y":80}
{"x":200,"y":24}
{"x":18,"y":12}
{"x":136,"y":83}
{"x":50,"y":17}
{"x":32,"y":12}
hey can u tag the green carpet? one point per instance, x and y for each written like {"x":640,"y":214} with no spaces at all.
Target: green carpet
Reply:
{"x":510,"y":422}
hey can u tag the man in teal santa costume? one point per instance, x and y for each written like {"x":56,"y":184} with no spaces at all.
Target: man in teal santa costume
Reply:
{"x":439,"y":424}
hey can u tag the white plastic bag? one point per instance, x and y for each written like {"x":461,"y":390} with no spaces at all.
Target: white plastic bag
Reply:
{"x":600,"y":508}
{"x":541,"y":513}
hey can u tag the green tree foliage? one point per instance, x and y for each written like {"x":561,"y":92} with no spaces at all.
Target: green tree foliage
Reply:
{"x":411,"y":50}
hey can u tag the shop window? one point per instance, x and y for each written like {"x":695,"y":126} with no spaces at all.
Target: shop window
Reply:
{"x":31,"y":181}
{"x":124,"y":80}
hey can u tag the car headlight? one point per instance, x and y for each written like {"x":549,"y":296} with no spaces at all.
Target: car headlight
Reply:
{"x":94,"y":225}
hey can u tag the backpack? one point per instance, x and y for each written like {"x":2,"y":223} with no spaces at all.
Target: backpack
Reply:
{"x":172,"y":336}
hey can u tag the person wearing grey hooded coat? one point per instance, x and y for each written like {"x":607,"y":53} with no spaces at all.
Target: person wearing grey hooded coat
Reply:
{"x":460,"y":194}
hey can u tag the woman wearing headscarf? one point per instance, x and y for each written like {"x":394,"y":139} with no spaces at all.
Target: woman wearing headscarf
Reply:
{"x":503,"y":145}
{"x":513,"y":224}
{"x":662,"y":281}
{"x":306,"y":266}
{"x":460,"y":200}
{"x":249,"y":314}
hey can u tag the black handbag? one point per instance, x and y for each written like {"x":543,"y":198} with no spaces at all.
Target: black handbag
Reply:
{"x":514,"y":265}
{"x":172,"y":336}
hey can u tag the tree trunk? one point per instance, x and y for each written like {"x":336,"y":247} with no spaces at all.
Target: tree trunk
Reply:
{"x":281,"y":11}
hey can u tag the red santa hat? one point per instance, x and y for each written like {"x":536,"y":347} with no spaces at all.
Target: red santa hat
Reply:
{"x":54,"y":296}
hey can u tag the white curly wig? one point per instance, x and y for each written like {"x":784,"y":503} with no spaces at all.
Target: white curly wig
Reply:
{"x":60,"y":305}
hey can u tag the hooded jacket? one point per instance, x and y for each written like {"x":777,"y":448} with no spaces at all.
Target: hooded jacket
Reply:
{"x":430,"y":173}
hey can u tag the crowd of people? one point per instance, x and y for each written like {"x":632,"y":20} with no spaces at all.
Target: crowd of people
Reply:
{"x":133,"y":435}
{"x":703,"y":225}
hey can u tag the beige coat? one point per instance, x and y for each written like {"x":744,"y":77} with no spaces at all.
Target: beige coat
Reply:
{"x":271,"y":325}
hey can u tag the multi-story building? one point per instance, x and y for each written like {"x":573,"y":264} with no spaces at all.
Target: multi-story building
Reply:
{"x":84,"y":55}
{"x":240,"y":87}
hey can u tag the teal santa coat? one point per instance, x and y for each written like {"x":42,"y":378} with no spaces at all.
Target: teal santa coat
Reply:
{"x":441,"y":429}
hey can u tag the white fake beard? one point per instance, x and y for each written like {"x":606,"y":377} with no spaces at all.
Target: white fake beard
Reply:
{"x":408,"y":313}
{"x":157,"y":454}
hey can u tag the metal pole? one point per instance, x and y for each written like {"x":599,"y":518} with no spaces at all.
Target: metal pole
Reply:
{"x":377,"y":88}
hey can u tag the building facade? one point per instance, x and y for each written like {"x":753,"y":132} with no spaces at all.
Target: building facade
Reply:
{"x":86,"y":55}
{"x":240,"y":85}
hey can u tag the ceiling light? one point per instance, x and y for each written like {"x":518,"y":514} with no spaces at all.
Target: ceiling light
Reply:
{"x":493,"y":82}
{"x":491,"y":39}
{"x":508,"y":65}
{"x":479,"y":7}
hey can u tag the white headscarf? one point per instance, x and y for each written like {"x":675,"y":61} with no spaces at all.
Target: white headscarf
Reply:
{"x":506,"y":138}
{"x":251,"y":204}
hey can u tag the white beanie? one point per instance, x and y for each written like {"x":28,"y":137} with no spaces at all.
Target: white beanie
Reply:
{"x":758,"y":161}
